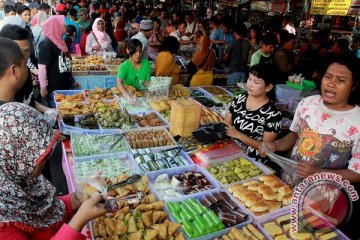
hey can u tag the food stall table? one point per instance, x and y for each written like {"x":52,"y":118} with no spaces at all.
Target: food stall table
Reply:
{"x":90,"y":82}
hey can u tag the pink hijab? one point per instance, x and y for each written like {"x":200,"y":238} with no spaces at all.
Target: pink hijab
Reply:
{"x":53,"y":29}
{"x":102,"y":37}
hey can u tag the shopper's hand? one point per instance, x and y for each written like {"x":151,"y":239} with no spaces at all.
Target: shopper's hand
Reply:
{"x":271,"y":146}
{"x":89,"y":210}
{"x":146,"y":83}
{"x":231,"y":130}
{"x":95,"y":48}
{"x":44,"y":92}
{"x":61,"y":136}
{"x":305,"y":169}
{"x":77,"y":85}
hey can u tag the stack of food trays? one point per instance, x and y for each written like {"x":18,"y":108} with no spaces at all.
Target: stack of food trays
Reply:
{"x":96,"y":152}
{"x":207,"y":215}
{"x":262,"y":196}
{"x":310,"y":225}
{"x":146,"y":220}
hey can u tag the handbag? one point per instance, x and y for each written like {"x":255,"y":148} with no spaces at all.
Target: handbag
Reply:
{"x":210,"y":133}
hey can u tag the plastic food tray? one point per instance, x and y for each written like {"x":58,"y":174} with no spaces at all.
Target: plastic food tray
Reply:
{"x":179,"y":170}
{"x":141,"y":105}
{"x":124,"y":159}
{"x":57,"y":104}
{"x":166,"y":123}
{"x":67,"y":129}
{"x":90,"y":224}
{"x":264,"y":216}
{"x":261,"y":230}
{"x":306,"y":85}
{"x":99,"y":133}
{"x":226,"y":91}
{"x":216,"y":234}
{"x":262,"y":167}
{"x":69,"y":92}
{"x":182,"y":153}
{"x":155,"y":129}
{"x":285,"y":211}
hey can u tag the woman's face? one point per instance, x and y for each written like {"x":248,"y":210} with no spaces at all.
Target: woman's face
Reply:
{"x":25,"y":16}
{"x":257,"y":87}
{"x":100,"y":25}
{"x":156,"y":25}
{"x":252,"y":34}
{"x":201,"y":27}
{"x":336,"y":86}
{"x":136,"y":57}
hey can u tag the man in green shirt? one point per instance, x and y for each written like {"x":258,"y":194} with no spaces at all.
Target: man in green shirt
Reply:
{"x":263,"y":55}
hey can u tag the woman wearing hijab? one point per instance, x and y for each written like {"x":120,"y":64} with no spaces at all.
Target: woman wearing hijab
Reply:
{"x":28,"y":206}
{"x":204,"y":60}
{"x":98,"y":41}
{"x":37,"y":30}
{"x":54,"y":59}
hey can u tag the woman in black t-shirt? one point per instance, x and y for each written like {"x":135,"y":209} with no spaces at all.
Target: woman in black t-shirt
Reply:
{"x":253,"y":117}
{"x":54,"y":59}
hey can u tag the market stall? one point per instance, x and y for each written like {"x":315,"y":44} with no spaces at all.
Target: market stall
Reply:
{"x":191,"y":189}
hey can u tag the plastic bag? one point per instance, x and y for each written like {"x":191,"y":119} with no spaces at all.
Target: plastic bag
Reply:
{"x":86,"y":187}
{"x":289,"y":166}
{"x":50,"y":116}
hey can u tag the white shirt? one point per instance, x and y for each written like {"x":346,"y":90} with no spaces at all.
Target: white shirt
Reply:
{"x":176,"y":34}
{"x":190,"y":27}
{"x":145,"y":44}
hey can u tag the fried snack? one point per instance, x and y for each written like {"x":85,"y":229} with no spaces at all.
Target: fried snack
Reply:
{"x":281,"y":237}
{"x":136,"y":235}
{"x":147,"y":218}
{"x":110,"y":222}
{"x":158,"y":205}
{"x":255,"y":232}
{"x":302,"y":236}
{"x":102,"y":230}
{"x":150,"y":234}
{"x":180,"y":236}
{"x":162,"y":229}
{"x":120,"y":227}
{"x":151,"y":198}
{"x":156,"y":216}
{"x":273,"y":229}
{"x":173,"y":227}
{"x":79,"y":97}
{"x":144,"y":207}
{"x":132,"y":225}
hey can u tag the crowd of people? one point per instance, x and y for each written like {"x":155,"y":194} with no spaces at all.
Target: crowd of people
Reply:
{"x":36,"y":46}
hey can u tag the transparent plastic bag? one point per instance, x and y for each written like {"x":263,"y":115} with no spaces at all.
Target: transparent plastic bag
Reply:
{"x":51,"y":116}
{"x":289,"y":166}
{"x":86,"y":187}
